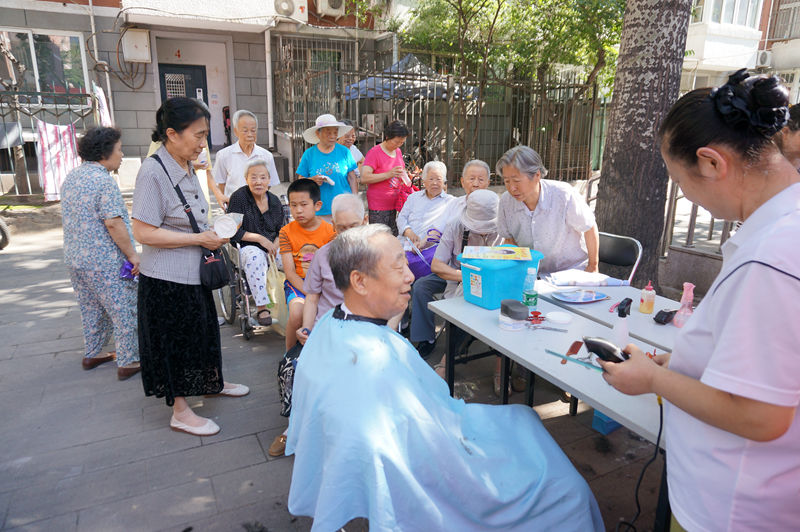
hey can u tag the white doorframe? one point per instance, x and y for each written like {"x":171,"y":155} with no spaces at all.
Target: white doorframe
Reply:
{"x":202,"y":37}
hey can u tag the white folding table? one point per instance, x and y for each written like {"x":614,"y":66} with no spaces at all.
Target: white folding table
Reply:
{"x":527,"y":347}
{"x":640,"y":326}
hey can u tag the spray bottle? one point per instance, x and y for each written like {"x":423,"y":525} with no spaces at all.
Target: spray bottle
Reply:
{"x":620,"y":330}
{"x":686,"y":305}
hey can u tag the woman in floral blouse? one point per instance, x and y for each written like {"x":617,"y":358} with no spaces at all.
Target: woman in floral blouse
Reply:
{"x":97,"y":242}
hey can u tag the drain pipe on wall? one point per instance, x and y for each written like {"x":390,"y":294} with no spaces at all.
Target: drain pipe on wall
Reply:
{"x":270,"y":110}
{"x":99,"y":63}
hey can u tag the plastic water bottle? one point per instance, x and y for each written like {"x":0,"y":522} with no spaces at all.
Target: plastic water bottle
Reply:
{"x":530,"y":297}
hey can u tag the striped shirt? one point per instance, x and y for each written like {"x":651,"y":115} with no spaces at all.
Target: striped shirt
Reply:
{"x":156,"y":203}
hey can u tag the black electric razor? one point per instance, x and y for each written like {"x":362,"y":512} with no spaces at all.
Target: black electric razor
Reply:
{"x":604,"y":349}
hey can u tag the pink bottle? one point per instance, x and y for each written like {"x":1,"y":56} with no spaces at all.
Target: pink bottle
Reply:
{"x":686,"y":305}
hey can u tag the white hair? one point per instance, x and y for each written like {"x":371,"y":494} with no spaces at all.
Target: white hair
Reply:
{"x":238,"y":116}
{"x":347,"y":202}
{"x":477,"y":162}
{"x":436,"y":165}
{"x":352,"y":251}
{"x":524,"y":159}
{"x":252,"y":164}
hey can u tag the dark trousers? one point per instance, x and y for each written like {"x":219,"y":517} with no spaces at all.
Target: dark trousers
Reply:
{"x":422,"y":292}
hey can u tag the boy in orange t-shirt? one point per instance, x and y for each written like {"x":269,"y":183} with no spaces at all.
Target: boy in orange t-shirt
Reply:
{"x":299,"y":240}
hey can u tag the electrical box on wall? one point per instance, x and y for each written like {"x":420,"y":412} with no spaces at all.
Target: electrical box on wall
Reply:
{"x":331,"y":8}
{"x":136,"y":45}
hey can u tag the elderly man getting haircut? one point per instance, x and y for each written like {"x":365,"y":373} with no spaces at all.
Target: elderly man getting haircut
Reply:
{"x":229,"y":168}
{"x":321,"y":294}
{"x":548,"y":216}
{"x":376,"y":434}
{"x":475,"y":176}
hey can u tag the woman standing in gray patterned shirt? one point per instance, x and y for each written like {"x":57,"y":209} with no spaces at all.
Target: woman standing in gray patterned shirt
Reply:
{"x":178,"y":330}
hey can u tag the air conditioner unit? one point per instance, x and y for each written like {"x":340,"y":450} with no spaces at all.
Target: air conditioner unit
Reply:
{"x":293,"y":9}
{"x":764,"y":59}
{"x":332,"y":8}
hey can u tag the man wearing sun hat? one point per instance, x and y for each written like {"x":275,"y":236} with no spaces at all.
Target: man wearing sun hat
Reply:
{"x":327,"y":163}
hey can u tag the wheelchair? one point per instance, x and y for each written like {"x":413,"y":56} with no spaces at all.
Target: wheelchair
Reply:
{"x":235,"y":298}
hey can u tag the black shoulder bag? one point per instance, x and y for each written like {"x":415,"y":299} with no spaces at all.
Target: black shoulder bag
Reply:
{"x":213,"y":269}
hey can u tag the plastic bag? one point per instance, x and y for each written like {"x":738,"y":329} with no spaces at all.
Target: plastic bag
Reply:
{"x":277,"y":305}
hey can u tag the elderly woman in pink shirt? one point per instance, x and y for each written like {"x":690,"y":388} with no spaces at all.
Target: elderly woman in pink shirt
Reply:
{"x":382,"y":172}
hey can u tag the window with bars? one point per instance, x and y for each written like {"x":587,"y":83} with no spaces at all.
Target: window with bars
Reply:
{"x":786,"y":20}
{"x":49,"y":61}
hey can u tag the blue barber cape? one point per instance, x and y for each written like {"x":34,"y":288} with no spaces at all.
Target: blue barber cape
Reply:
{"x":376,"y":434}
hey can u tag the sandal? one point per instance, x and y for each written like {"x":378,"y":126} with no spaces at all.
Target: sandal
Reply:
{"x":264,"y":321}
{"x":440,"y":370}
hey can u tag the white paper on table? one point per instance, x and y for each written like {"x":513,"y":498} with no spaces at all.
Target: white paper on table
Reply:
{"x":582,"y":278}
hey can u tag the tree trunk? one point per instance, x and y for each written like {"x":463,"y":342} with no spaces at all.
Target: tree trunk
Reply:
{"x":633,"y":184}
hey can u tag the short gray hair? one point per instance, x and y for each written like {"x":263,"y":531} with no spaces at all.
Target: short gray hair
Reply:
{"x":477,"y":162}
{"x":434,"y":165}
{"x":347,"y":202}
{"x":351,"y":251}
{"x":239,"y":114}
{"x":524,"y":159}
{"x":252,"y":164}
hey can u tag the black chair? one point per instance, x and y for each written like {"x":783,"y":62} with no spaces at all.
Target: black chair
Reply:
{"x":617,"y":250}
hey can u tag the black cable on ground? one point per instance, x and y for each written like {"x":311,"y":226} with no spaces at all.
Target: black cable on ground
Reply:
{"x":629,"y":525}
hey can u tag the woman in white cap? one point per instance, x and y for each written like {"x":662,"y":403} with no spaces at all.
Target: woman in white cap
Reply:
{"x":348,"y":140}
{"x":328,"y":164}
{"x":477,"y":226}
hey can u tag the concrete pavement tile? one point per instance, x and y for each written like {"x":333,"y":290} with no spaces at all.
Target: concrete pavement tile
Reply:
{"x":62,"y":523}
{"x":265,"y":439}
{"x":155,"y":510}
{"x":7,"y":351}
{"x":253,"y":484}
{"x":272,"y":514}
{"x":76,"y":493}
{"x":79,"y":383}
{"x":567,"y":429}
{"x":16,"y":401}
{"x":203,"y":462}
{"x":52,"y":434}
{"x":244,"y":422}
{"x":43,"y":345}
{"x":5,"y":499}
{"x":599,"y":455}
{"x":615,"y":493}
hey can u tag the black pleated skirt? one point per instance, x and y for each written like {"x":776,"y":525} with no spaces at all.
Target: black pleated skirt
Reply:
{"x":179,"y":344}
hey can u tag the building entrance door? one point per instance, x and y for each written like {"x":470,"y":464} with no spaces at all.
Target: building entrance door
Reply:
{"x":188,"y":81}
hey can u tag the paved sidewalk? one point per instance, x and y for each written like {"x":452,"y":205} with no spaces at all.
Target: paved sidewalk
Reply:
{"x":81,"y":451}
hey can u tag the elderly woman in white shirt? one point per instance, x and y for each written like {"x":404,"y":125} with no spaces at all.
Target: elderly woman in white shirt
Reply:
{"x":548,"y":216}
{"x":426,"y":213}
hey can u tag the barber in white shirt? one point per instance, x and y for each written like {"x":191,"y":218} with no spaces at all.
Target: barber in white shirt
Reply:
{"x":231,"y":162}
{"x":427,"y":211}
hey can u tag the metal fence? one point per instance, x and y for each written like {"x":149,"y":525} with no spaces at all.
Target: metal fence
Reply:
{"x":450,"y":119}
{"x":705,"y":235}
{"x":19,"y":114}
